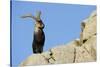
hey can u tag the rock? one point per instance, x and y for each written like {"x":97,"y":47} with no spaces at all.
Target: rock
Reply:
{"x":73,"y":52}
{"x":35,"y":59}
{"x":90,"y":26}
{"x":87,"y":52}
{"x":90,"y":46}
{"x":46,"y":54}
{"x":82,"y":55}
{"x":59,"y":53}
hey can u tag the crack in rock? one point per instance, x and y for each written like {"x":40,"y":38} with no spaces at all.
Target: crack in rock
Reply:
{"x":86,"y":49}
{"x":81,"y":34}
{"x":51,"y":55}
{"x":50,"y":59}
{"x":47,"y":59}
{"x":74,"y":55}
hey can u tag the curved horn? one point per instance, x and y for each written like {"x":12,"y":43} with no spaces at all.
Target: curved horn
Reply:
{"x":29,"y":16}
{"x":38,"y":14}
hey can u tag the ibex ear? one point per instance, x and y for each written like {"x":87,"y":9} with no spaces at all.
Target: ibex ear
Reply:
{"x":38,"y":14}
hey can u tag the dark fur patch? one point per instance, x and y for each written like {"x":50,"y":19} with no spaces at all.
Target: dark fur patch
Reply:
{"x":38,"y":42}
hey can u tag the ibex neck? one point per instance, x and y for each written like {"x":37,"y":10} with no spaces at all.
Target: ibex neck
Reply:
{"x":37,"y":29}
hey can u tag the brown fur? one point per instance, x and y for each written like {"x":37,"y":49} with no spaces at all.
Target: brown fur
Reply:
{"x":39,"y":36}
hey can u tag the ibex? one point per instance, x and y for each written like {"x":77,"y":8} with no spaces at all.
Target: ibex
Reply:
{"x":39,"y":36}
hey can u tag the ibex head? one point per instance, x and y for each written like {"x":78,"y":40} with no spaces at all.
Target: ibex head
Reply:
{"x":39,"y":24}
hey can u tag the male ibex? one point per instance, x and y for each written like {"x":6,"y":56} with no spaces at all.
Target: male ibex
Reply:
{"x":39,"y":36}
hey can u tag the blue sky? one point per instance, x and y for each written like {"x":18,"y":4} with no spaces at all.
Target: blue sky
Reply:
{"x":62,"y":25}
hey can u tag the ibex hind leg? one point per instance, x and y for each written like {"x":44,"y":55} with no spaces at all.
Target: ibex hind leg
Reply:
{"x":37,"y":49}
{"x":34,"y":48}
{"x":40,"y":49}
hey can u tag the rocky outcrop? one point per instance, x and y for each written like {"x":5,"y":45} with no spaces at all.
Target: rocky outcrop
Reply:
{"x":79,"y":50}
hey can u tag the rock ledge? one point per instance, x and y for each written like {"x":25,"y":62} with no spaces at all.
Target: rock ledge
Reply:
{"x":79,"y":50}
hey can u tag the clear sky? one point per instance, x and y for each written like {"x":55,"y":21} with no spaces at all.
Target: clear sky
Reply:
{"x":62,"y":25}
